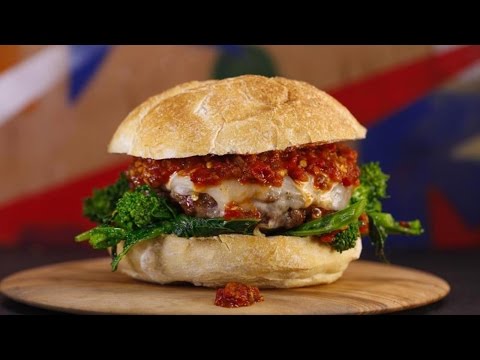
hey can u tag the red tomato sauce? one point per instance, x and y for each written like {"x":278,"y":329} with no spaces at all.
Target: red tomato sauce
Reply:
{"x":326,"y":163}
{"x":328,"y":238}
{"x":234,"y":211}
{"x":237,"y":295}
{"x":363,"y":228}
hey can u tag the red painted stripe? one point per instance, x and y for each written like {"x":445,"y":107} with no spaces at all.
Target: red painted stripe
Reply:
{"x":377,"y":96}
{"x":60,"y":205}
{"x":448,"y":229}
{"x":369,"y":100}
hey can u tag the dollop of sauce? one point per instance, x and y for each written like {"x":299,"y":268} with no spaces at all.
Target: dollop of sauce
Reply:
{"x":364,"y":225}
{"x":327,"y":164}
{"x":235,"y":295}
{"x":235,"y":211}
{"x":328,"y":238}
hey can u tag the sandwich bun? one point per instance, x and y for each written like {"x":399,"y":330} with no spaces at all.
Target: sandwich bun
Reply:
{"x":266,"y":262}
{"x":242,"y":115}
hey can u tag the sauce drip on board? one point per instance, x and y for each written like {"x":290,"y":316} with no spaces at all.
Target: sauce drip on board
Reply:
{"x":235,"y":295}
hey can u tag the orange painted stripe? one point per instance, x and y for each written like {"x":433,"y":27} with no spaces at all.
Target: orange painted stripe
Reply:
{"x":9,"y":55}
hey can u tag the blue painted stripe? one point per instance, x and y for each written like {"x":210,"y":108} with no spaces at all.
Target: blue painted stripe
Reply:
{"x":85,"y":60}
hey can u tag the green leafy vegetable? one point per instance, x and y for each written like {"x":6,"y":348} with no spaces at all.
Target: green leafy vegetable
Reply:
{"x":102,"y":237}
{"x":100,"y":206}
{"x":187,"y":226}
{"x":134,"y":237}
{"x":394,"y":227}
{"x":383,"y":224}
{"x":330,"y":222}
{"x":373,"y":187}
{"x":378,"y":235}
{"x":140,"y":208}
{"x":346,"y":239}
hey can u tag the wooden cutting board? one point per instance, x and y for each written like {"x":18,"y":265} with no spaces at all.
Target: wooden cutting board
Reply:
{"x":88,"y":287}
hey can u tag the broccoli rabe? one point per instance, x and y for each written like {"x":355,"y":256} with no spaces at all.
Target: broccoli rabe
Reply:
{"x":100,"y":206}
{"x":346,"y":239}
{"x":331,"y":222}
{"x":188,"y":226}
{"x":373,"y":187}
{"x":396,"y":227}
{"x":102,"y":237}
{"x":140,"y":208}
{"x":134,"y":237}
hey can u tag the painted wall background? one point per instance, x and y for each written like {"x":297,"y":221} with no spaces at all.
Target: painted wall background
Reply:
{"x":59,"y":106}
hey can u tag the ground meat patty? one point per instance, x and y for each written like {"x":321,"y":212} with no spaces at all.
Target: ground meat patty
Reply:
{"x":206,"y":207}
{"x":293,"y":218}
{"x":287,"y":220}
{"x":202,"y":205}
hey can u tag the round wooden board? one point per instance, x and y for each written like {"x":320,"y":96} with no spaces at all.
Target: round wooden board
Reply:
{"x":88,"y":287}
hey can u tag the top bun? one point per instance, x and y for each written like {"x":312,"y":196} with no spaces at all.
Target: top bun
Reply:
{"x":242,"y":115}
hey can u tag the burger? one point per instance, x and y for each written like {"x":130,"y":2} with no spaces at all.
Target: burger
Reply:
{"x":248,"y":179}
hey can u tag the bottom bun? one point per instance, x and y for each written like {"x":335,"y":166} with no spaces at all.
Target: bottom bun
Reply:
{"x":266,"y":262}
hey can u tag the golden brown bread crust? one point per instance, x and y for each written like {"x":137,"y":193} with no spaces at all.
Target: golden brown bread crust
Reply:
{"x":267,"y":262}
{"x":242,"y":115}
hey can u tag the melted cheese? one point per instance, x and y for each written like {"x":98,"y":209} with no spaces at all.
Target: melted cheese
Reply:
{"x":271,"y":200}
{"x":336,"y":198}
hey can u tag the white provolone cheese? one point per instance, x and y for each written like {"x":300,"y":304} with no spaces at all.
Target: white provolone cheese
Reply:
{"x":271,"y":200}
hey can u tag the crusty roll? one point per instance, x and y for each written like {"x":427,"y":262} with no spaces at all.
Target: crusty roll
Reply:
{"x":242,"y":115}
{"x":266,"y":262}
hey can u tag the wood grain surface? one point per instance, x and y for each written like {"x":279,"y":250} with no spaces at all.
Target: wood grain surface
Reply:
{"x":88,"y":287}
